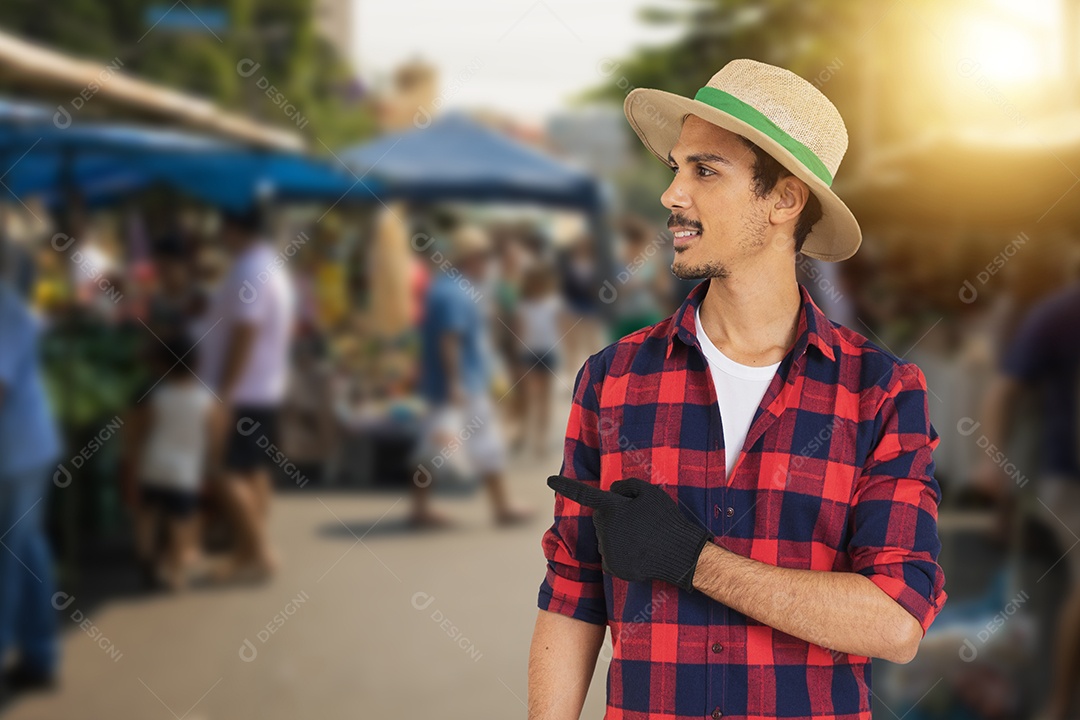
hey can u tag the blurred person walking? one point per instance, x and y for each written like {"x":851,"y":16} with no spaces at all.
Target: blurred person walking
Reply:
{"x":243,"y":357}
{"x":514,"y":260}
{"x":1042,"y":360}
{"x":542,"y":321}
{"x":580,"y":288}
{"x":174,"y":302}
{"x":171,"y":431}
{"x":455,"y":378}
{"x":643,"y":283}
{"x":29,"y":451}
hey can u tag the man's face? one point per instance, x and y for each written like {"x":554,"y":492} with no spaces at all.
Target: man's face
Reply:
{"x":712,"y":197}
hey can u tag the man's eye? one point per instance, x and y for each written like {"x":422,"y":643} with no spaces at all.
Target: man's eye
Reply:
{"x":705,"y":172}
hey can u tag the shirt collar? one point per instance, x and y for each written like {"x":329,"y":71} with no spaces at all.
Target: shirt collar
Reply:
{"x":813,"y":328}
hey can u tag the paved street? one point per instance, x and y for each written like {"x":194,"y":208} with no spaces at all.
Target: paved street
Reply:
{"x":365,"y":621}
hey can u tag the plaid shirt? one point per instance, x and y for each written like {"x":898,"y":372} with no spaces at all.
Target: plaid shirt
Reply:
{"x":835,"y":474}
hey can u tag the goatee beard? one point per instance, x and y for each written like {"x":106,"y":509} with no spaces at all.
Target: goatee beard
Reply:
{"x":714,"y":269}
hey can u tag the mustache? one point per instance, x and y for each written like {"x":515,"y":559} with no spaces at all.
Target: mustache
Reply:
{"x":679,"y":220}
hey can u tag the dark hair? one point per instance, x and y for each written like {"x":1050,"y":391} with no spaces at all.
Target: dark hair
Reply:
{"x":767,"y":172}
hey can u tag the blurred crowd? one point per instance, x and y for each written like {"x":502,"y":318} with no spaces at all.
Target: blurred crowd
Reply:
{"x":228,"y":360}
{"x":256,"y":357}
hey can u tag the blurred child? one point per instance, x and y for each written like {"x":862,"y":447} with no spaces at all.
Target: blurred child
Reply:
{"x":171,"y":451}
{"x":540,"y":320}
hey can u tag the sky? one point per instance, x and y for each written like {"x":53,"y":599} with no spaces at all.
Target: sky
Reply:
{"x":520,"y":57}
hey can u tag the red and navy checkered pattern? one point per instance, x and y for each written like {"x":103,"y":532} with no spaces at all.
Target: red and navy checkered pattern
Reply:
{"x":836,"y":474}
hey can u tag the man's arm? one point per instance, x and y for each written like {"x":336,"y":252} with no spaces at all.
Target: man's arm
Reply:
{"x":573,"y":618}
{"x":841,"y":611}
{"x":562,"y":660}
{"x":883,"y":607}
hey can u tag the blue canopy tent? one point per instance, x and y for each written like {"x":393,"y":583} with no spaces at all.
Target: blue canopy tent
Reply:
{"x":456,"y":158}
{"x":103,"y":162}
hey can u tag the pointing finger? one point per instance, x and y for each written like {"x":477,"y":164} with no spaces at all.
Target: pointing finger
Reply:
{"x":579,"y":492}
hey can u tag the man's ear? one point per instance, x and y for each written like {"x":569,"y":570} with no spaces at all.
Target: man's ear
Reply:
{"x":791,"y":195}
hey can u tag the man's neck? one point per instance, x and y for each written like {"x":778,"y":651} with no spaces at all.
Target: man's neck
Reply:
{"x":753,"y":321}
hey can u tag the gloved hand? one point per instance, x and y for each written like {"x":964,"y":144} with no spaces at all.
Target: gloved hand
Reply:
{"x":641,"y":531}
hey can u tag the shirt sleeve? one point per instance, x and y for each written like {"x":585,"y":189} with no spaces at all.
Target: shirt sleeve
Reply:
{"x":895,"y":538}
{"x":448,"y":313}
{"x":574,"y":584}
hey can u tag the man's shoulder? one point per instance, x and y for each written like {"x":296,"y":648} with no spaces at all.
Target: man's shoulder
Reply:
{"x":869,"y":367}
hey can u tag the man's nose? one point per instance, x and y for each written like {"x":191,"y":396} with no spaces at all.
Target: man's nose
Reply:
{"x":675,"y":196}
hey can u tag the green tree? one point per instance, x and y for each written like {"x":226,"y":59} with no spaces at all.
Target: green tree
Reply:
{"x":279,"y":35}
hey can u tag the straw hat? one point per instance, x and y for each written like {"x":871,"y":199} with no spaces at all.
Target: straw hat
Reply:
{"x":778,"y":111}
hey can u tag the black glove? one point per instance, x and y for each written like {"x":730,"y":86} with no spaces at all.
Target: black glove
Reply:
{"x":641,"y":532}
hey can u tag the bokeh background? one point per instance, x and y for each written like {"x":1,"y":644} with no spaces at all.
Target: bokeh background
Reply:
{"x":368,"y":133}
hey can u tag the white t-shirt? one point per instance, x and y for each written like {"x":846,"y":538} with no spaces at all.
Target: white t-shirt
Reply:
{"x":540,"y":322}
{"x":176,"y":448}
{"x":739,"y":389}
{"x":256,"y":290}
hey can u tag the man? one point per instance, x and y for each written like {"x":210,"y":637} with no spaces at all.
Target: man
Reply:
{"x":29,"y":450}
{"x":455,"y":376}
{"x":243,"y":358}
{"x":1043,"y":359}
{"x":747,"y":495}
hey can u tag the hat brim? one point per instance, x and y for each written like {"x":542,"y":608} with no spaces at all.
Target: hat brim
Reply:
{"x":657,"y":118}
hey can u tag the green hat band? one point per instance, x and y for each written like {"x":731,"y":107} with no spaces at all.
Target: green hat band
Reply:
{"x":738,"y":109}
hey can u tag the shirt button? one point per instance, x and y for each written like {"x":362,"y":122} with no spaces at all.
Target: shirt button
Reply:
{"x":717,"y":714}
{"x":717,"y":647}
{"x":730,"y":511}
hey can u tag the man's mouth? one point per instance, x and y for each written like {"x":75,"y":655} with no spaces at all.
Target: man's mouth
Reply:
{"x":682,"y":238}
